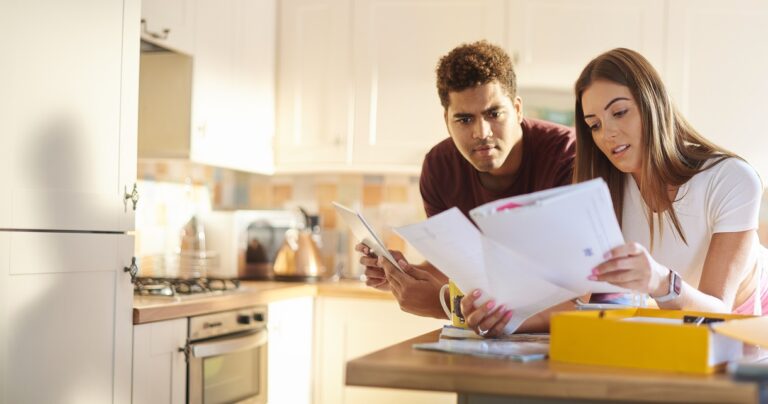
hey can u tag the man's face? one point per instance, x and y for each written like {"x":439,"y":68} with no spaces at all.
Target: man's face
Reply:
{"x":484,"y":123}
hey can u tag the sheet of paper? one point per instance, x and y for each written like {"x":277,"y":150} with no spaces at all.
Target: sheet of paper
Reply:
{"x":518,"y":351}
{"x":364,"y":233}
{"x":567,"y":232}
{"x":451,"y":243}
{"x":516,"y":282}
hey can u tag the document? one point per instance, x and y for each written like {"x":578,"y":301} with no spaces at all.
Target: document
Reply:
{"x":535,"y":251}
{"x":567,"y":230}
{"x":450,"y":242}
{"x":364,"y":233}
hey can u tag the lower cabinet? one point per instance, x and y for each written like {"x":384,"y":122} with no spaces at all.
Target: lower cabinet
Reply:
{"x":289,"y":375}
{"x":159,"y":368}
{"x":349,"y":328}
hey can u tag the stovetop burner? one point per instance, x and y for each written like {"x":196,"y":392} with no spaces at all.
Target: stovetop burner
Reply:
{"x":173,"y":287}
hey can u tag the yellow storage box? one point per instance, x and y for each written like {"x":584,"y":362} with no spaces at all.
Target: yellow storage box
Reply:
{"x":643,"y":339}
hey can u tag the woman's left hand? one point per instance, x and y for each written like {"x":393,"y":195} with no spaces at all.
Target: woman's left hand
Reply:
{"x":631,"y":266}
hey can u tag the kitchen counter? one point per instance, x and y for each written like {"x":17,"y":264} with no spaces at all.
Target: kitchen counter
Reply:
{"x":148,"y":309}
{"x":485,"y":380}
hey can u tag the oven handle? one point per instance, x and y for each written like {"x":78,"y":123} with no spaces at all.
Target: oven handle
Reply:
{"x":230,"y":345}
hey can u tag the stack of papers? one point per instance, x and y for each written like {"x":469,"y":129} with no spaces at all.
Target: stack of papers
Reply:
{"x":520,"y":347}
{"x":535,"y":251}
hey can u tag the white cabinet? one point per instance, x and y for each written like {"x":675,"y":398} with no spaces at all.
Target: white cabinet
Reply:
{"x":552,"y":40}
{"x":68,"y":114}
{"x":367,"y":101}
{"x":233,"y":88}
{"x":67,"y":155}
{"x":396,"y":47}
{"x":349,"y":328}
{"x":66,"y":315}
{"x":716,"y":72}
{"x":315,"y":96}
{"x":169,"y":23}
{"x":290,"y":326}
{"x":159,"y":367}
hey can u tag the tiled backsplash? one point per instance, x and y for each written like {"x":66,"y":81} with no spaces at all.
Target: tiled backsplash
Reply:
{"x":387,"y":201}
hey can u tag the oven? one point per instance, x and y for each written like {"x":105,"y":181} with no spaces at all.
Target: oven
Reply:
{"x":227,"y":357}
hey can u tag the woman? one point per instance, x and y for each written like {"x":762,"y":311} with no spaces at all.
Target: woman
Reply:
{"x":688,"y":208}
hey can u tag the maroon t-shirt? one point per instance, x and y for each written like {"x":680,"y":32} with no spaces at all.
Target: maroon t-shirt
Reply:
{"x":448,"y":180}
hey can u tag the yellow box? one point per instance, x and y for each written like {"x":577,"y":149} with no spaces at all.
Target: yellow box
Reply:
{"x":639,"y":338}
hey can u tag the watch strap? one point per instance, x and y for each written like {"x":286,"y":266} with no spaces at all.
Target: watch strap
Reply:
{"x":675,"y":286}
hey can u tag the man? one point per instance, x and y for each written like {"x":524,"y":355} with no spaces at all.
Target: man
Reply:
{"x":492,"y":153}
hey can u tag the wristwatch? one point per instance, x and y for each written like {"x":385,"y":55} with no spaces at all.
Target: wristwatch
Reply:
{"x":675,"y":285}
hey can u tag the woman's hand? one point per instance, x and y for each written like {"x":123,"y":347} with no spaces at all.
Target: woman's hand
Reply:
{"x":488,"y":320}
{"x":631,"y":266}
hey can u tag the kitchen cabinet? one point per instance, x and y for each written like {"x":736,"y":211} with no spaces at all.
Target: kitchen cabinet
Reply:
{"x":315,"y":97}
{"x":159,"y":368}
{"x":233,"y":88}
{"x":289,"y":375}
{"x":552,"y":40}
{"x":348,"y":328}
{"x":169,"y":24}
{"x":68,"y":115}
{"x":716,"y":72}
{"x":67,"y":157}
{"x":366,"y":101}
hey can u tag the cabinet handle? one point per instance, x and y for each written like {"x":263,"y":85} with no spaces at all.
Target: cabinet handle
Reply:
{"x":133,"y":270}
{"x":133,"y":197}
{"x":155,"y":35}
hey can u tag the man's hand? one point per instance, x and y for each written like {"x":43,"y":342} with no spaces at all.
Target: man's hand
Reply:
{"x":416,"y":288}
{"x":374,"y":274}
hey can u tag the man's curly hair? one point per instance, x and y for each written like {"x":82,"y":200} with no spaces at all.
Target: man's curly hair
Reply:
{"x":474,"y":64}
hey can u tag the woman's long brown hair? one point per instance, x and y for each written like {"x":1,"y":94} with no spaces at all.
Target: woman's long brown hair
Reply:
{"x":673,"y":151}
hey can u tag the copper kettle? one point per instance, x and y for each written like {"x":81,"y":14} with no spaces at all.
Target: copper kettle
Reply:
{"x":299,"y":258}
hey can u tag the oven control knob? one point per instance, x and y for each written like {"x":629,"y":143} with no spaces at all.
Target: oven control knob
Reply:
{"x":258,"y":317}
{"x":243,"y":319}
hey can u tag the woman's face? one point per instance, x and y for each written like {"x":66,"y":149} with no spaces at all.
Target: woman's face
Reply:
{"x":613,"y":117}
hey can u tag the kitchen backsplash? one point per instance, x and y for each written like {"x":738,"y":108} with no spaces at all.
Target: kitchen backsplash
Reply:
{"x":176,"y":189}
{"x":387,"y":201}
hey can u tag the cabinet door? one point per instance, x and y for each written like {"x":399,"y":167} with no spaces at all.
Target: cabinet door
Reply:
{"x":233,"y":86}
{"x":717,"y":72}
{"x":290,"y":324}
{"x":159,"y":368}
{"x":397,"y":44}
{"x":315,"y":97}
{"x":552,"y":40}
{"x":169,"y":23}
{"x":66,"y":315}
{"x":350,"y":328}
{"x":65,"y":85}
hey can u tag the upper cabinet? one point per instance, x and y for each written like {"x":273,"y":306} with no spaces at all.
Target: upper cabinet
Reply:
{"x":357,"y":79}
{"x":717,"y":72}
{"x":396,"y":47}
{"x":68,"y":122}
{"x":552,"y":40}
{"x":217,"y":107}
{"x":169,"y":23}
{"x":233,"y":90}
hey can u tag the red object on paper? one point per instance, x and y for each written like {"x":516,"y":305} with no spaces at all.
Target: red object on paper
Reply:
{"x":508,"y":206}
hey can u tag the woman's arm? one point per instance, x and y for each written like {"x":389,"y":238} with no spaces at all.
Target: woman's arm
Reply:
{"x":728,"y":259}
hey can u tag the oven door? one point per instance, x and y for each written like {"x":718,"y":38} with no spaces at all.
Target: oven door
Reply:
{"x":229,"y":369}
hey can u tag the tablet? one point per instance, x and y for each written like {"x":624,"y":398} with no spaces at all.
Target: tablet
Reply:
{"x":364,"y":233}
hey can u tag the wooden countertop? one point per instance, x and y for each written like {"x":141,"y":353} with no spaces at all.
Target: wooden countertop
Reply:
{"x":148,"y":309}
{"x":400,"y":366}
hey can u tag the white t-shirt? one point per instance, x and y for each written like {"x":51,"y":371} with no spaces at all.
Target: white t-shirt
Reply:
{"x":723,"y":198}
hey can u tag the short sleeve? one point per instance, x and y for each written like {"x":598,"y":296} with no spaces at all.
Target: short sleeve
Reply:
{"x":432,"y":203}
{"x":734,"y":198}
